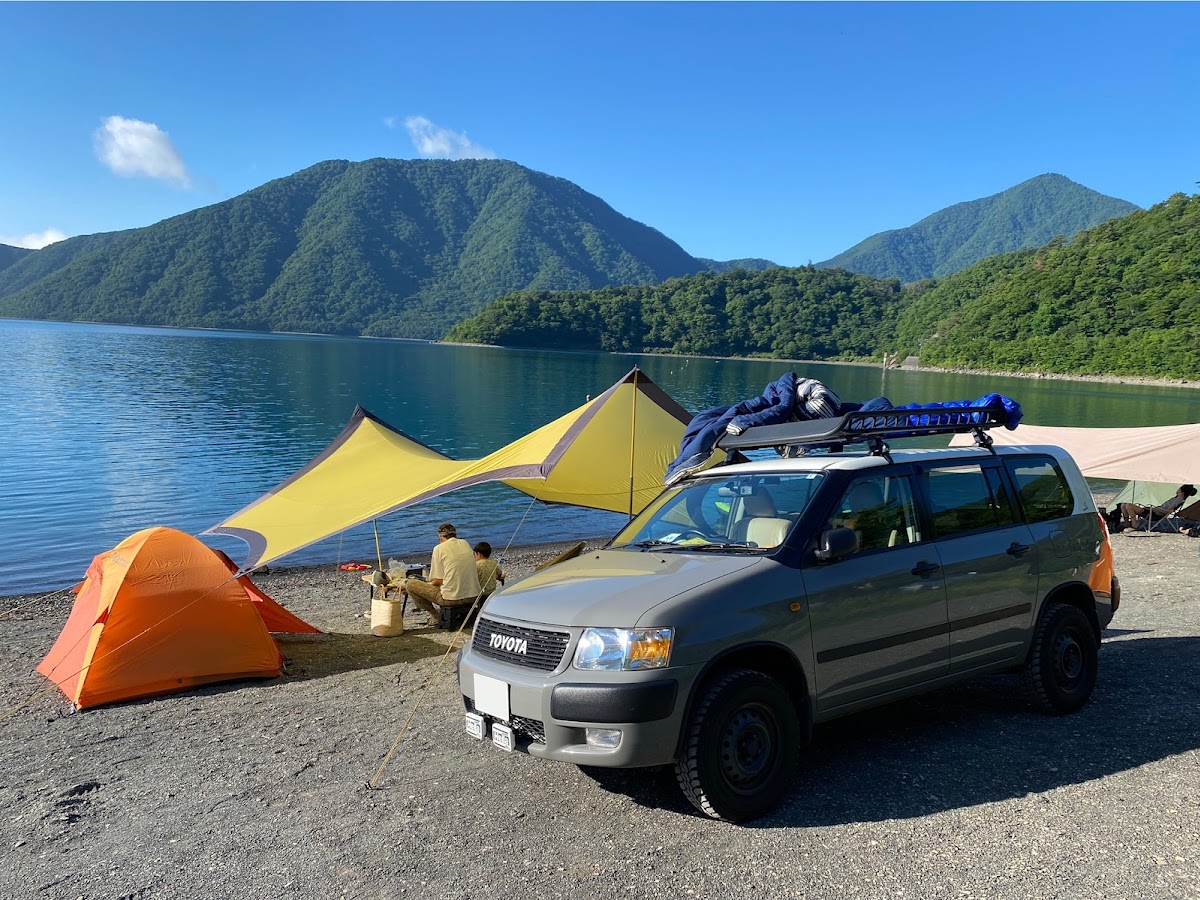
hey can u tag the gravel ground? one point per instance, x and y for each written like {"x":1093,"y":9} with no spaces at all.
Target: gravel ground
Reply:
{"x":261,"y":788}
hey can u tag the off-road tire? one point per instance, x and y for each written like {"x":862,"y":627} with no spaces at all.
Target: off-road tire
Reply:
{"x":741,"y":747}
{"x":1060,"y":673}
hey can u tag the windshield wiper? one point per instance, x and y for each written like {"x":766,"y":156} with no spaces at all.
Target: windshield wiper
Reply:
{"x":723,"y":545}
{"x":652,"y":542}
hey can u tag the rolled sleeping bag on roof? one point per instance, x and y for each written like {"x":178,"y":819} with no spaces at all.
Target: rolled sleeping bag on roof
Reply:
{"x":815,"y":401}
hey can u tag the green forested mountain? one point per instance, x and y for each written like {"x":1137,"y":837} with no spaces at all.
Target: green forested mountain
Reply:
{"x":799,"y":313}
{"x":951,"y":239}
{"x":386,"y":247}
{"x":9,"y":255}
{"x":1121,"y":298}
{"x":750,"y":264}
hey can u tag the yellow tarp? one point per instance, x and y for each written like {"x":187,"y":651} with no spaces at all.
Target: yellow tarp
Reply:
{"x":584,"y":458}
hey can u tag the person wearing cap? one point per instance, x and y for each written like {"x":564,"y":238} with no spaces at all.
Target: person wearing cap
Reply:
{"x":453,"y":579}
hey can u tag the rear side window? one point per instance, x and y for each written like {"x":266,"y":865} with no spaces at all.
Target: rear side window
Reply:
{"x":966,"y":498}
{"x":1042,"y":489}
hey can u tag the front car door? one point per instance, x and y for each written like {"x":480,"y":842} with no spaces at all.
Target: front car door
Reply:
{"x":878,"y":616}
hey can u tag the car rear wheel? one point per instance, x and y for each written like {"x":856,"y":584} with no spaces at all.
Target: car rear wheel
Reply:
{"x":1060,"y":673}
{"x":741,"y":747}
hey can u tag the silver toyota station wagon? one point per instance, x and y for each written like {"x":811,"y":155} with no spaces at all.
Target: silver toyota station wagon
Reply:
{"x":753,"y":600}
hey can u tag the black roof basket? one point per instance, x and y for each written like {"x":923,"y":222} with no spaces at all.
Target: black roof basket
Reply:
{"x":871,"y":428}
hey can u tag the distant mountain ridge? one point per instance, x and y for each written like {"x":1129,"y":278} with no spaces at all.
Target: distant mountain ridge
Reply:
{"x":385,"y":247}
{"x":1024,"y":216}
{"x":751,"y":264}
{"x":9,"y":255}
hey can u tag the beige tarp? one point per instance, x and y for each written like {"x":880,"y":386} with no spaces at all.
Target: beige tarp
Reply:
{"x":610,"y":453}
{"x":1168,"y":453}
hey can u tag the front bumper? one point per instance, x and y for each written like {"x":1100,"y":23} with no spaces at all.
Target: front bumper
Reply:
{"x":549,"y":711}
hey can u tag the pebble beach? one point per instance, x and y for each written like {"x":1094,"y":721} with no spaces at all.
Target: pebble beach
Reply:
{"x":351,"y":777}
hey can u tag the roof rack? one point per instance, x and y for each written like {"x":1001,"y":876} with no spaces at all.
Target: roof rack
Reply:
{"x":871,"y":428}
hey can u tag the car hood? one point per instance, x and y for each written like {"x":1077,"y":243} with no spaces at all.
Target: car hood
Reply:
{"x":609,"y":587}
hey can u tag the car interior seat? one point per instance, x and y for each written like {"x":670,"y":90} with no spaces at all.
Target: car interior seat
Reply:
{"x":760,"y":523}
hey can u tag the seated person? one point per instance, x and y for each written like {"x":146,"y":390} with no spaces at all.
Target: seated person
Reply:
{"x":1132,"y":512}
{"x":453,"y":578}
{"x":489,"y":571}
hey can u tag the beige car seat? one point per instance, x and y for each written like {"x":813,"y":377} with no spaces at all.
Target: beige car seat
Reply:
{"x":760,"y":523}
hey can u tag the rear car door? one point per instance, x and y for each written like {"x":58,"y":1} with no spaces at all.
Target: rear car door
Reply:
{"x":1065,"y":542}
{"x":989,"y":560}
{"x":878,"y":616}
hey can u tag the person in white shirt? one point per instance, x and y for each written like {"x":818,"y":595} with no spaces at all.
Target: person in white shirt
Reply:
{"x":453,"y":579}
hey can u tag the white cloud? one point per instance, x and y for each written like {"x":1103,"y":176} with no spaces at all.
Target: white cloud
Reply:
{"x":389,"y":121}
{"x":131,"y":148}
{"x":434,"y":142}
{"x":35,"y":241}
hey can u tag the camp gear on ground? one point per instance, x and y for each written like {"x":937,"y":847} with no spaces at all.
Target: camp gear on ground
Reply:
{"x":387,"y":616}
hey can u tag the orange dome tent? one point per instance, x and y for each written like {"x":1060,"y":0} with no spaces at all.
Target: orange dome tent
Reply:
{"x":158,"y":613}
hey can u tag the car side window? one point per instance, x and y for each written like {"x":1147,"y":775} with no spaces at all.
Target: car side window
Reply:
{"x":965,"y":498}
{"x":1042,"y":489}
{"x":880,"y":509}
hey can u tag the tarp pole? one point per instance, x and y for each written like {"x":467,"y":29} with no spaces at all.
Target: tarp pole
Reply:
{"x":378,"y":552}
{"x":632,"y":441}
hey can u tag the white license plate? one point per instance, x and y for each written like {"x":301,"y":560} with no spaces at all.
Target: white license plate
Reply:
{"x":502,"y":737}
{"x":491,"y":697}
{"x":476,"y":727}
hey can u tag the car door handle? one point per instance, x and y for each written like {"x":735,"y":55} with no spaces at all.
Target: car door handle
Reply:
{"x":1017,"y":549}
{"x":925,"y":568}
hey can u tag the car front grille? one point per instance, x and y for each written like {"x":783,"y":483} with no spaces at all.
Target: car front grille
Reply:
{"x":531,"y":728}
{"x":528,"y":647}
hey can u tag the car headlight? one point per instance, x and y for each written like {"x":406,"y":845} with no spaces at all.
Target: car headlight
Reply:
{"x":619,"y":649}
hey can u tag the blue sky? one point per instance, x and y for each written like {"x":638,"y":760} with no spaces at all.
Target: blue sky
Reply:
{"x":786,"y":131}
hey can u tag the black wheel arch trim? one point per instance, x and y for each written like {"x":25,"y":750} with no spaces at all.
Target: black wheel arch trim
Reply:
{"x":1068,"y":592}
{"x":801,"y":694}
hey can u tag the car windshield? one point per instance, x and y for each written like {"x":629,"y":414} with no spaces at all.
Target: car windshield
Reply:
{"x":737,"y":514}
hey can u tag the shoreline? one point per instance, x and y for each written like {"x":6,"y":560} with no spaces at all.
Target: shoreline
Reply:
{"x":518,"y":561}
{"x":1148,"y":380}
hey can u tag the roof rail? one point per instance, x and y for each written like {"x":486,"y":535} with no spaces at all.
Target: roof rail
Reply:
{"x":871,"y":428}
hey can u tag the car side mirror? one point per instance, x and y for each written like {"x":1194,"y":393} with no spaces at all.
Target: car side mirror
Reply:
{"x":837,"y":543}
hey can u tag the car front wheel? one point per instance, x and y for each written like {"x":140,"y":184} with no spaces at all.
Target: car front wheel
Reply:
{"x":741,"y":747}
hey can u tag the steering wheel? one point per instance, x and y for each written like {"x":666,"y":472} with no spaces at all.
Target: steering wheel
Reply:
{"x":687,"y":533}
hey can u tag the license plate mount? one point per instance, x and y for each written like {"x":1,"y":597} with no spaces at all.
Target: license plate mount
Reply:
{"x":476,"y":726}
{"x":502,"y":737}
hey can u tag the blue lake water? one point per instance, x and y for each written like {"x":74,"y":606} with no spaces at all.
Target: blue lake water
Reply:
{"x":110,"y":429}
